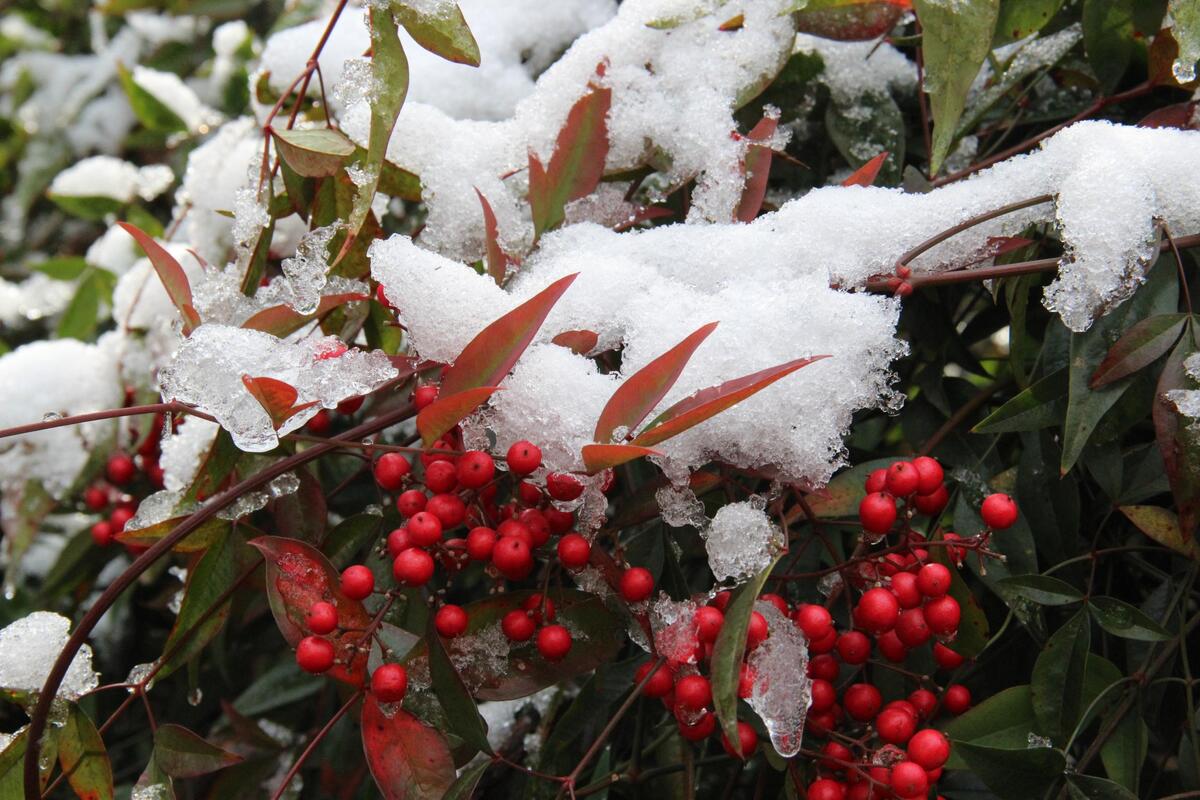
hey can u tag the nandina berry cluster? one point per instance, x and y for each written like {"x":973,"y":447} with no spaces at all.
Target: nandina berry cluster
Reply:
{"x":127,"y":480}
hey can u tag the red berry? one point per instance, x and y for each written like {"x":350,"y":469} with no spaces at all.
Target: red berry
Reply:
{"x":95,"y":498}
{"x":930,"y":475}
{"x":517,"y":626}
{"x":876,"y":481}
{"x":895,"y":726}
{"x":413,"y":567}
{"x":956,"y":699}
{"x":745,"y":681}
{"x":424,"y":395}
{"x":701,"y":730}
{"x":563,"y":487}
{"x":854,"y":647}
{"x":891,"y":647}
{"x":441,"y":477}
{"x":559,"y":521}
{"x":350,"y":405}
{"x":720,"y":601}
{"x":756,"y":631}
{"x":862,"y":701}
{"x":824,"y":696}
{"x":708,"y":623}
{"x":998,"y":511}
{"x":660,"y":683}
{"x":390,"y":471}
{"x":314,"y":654}
{"x":535,"y":521}
{"x":450,"y":621}
{"x":320,"y":423}
{"x":424,"y":529}
{"x":814,"y":620}
{"x":933,"y":580}
{"x":946,"y":658}
{"x":523,"y":458}
{"x":398,"y":541}
{"x":321,"y":618}
{"x":389,"y":683}
{"x":912,"y":627}
{"x":536,"y":607}
{"x":877,"y":610}
{"x":411,"y":502}
{"x":825,"y":644}
{"x":877,"y":512}
{"x":515,"y":528}
{"x":904,"y":586}
{"x":102,"y":533}
{"x":693,"y":692}
{"x":437,"y":453}
{"x":777,"y":601}
{"x":824,"y":667}
{"x":933,"y":503}
{"x":943,"y":615}
{"x":475,"y":469}
{"x":924,"y":701}
{"x":929,"y":748}
{"x":902,"y":479}
{"x":636,"y":584}
{"x":120,"y":469}
{"x":480,"y":543}
{"x":747,"y":741}
{"x":836,"y":755}
{"x":512,"y":557}
{"x":358,"y":582}
{"x":449,"y":508}
{"x":574,"y":551}
{"x":118,"y":518}
{"x":529,"y":493}
{"x":825,"y":789}
{"x":554,"y":642}
{"x":909,"y":780}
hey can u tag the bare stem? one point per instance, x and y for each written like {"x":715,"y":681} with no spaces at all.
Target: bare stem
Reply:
{"x":316,"y":740}
{"x":111,"y":413}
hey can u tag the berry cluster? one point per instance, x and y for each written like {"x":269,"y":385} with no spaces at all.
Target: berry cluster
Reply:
{"x":127,"y":479}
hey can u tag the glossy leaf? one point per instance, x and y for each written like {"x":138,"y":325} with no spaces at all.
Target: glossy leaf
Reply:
{"x":498,"y":262}
{"x":183,"y":754}
{"x":1138,"y":347}
{"x":756,"y":166}
{"x":1162,"y":525}
{"x":313,"y":152}
{"x":955,"y":40}
{"x":302,"y":514}
{"x":1186,"y":31}
{"x":1089,"y":787}
{"x":870,"y":124}
{"x":149,"y":110}
{"x":1178,"y":443}
{"x":848,"y":20}
{"x":1041,"y":589}
{"x":579,"y":342}
{"x":173,"y":278}
{"x":866,"y":174}
{"x":1003,"y":720}
{"x":1121,"y":619}
{"x":83,"y":758}
{"x":277,"y":398}
{"x":707,"y":403}
{"x":282,"y":320}
{"x":202,"y":538}
{"x":453,"y":695}
{"x":1039,"y":406}
{"x":1013,"y":774}
{"x":442,"y":31}
{"x":577,"y":165}
{"x":1020,"y":18}
{"x":841,"y":496}
{"x":972,"y":635}
{"x":349,"y":537}
{"x":492,"y":353}
{"x":463,"y":787}
{"x":1108,"y":41}
{"x":730,"y":648}
{"x":599,"y":457}
{"x":408,"y":759}
{"x":1058,"y":674}
{"x":447,"y":411}
{"x":298,"y":575}
{"x":641,"y":392}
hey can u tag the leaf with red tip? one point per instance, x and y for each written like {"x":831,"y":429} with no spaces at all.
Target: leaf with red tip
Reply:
{"x":173,"y":278}
{"x":444,"y":413}
{"x":866,"y":174}
{"x":498,"y":261}
{"x":299,"y":575}
{"x":578,"y":342}
{"x":282,"y":320}
{"x":277,"y":397}
{"x":491,"y":354}
{"x":706,"y":403}
{"x":641,"y":392}
{"x":597,"y":457}
{"x":643,"y":214}
{"x":1138,"y":347}
{"x":849,"y":20}
{"x":408,"y":759}
{"x":577,"y":165}
{"x":757,"y":168}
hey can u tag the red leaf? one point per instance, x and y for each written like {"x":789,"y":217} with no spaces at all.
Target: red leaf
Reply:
{"x":578,"y":161}
{"x":498,"y":261}
{"x":283,"y":319}
{"x":444,"y":413}
{"x":409,"y":759}
{"x":851,"y":21}
{"x":642,"y":391}
{"x":173,"y":278}
{"x":298,"y":575}
{"x":1180,"y":115}
{"x":277,"y":397}
{"x":866,"y":174}
{"x":706,"y":403}
{"x":757,"y":168}
{"x":597,"y":457}
{"x":734,"y":23}
{"x":641,"y":214}
{"x":491,"y":354}
{"x":578,"y":342}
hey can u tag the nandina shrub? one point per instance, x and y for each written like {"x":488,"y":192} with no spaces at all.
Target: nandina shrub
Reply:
{"x":740,"y":399}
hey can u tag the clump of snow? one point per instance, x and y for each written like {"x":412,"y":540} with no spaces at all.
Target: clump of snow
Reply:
{"x":33,"y":298}
{"x":170,"y":90}
{"x":782,"y":690}
{"x":853,"y":69}
{"x":741,"y":541}
{"x":305,"y":271}
{"x":183,"y":450}
{"x":105,"y":176}
{"x":114,"y":251}
{"x":28,"y":649}
{"x":1187,"y":401}
{"x":207,"y":373}
{"x":61,"y":377}
{"x":480,"y":655}
{"x":500,"y":715}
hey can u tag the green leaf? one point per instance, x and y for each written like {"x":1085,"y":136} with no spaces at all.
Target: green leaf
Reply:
{"x":1042,"y":589}
{"x":1140,"y":346}
{"x":444,"y":413}
{"x":149,"y":110}
{"x":183,"y":754}
{"x":464,"y":785}
{"x":730,"y":649}
{"x":349,"y":537}
{"x":313,"y":152}
{"x":1125,"y":751}
{"x":280,"y":686}
{"x":1057,"y":682}
{"x":302,"y":514}
{"x":870,"y":125}
{"x":1089,"y":787}
{"x":1186,"y":14}
{"x":1162,"y":525}
{"x":81,"y":315}
{"x":82,"y":756}
{"x":1016,"y":774}
{"x":1039,"y":406}
{"x":453,"y":695}
{"x":12,"y":761}
{"x":67,"y":268}
{"x":1121,"y":619}
{"x":444,"y":33}
{"x":1108,"y":38}
{"x":1003,"y":720}
{"x":972,"y":635}
{"x":1020,"y":18}
{"x":92,"y":206}
{"x":955,"y":40}
{"x":841,"y":496}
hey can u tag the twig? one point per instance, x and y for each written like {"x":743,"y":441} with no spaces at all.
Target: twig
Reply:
{"x":316,"y":740}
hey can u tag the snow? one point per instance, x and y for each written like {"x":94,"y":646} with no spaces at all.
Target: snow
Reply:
{"x":105,"y":176}
{"x":28,"y":649}
{"x":673,"y":624}
{"x":208,"y":368}
{"x":114,"y":251}
{"x":741,"y":541}
{"x":305,"y":271}
{"x":170,"y":90}
{"x":782,"y":690}
{"x":853,"y":69}
{"x":183,"y":450}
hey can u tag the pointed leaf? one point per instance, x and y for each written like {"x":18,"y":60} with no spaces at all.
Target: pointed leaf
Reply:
{"x":313,"y":152}
{"x":1039,"y":406}
{"x":1042,"y":589}
{"x":149,"y":110}
{"x":1058,"y":678}
{"x":1121,"y":619}
{"x":1178,"y":442}
{"x":491,"y":354}
{"x":282,"y":320}
{"x":453,"y":695}
{"x":183,"y":754}
{"x":498,"y":261}
{"x":276,"y":397}
{"x":730,"y":648}
{"x":1138,"y":347}
{"x":866,"y":174}
{"x":444,"y":413}
{"x":1108,"y":38}
{"x":468,"y":779}
{"x":443,"y":31}
{"x":298,"y":575}
{"x":707,"y":403}
{"x":578,"y":342}
{"x":173,"y":278}
{"x":408,"y":759}
{"x":210,"y":531}
{"x":1089,"y":787}
{"x":756,"y":167}
{"x":599,"y":457}
{"x":848,"y":20}
{"x":1162,"y":525}
{"x":1013,"y":774}
{"x":83,"y":758}
{"x":641,"y":392}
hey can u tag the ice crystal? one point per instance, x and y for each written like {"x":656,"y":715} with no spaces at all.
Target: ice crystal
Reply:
{"x":782,"y":690}
{"x":28,"y":649}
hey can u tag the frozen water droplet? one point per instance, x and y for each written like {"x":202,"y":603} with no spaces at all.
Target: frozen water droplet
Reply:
{"x":195,"y":696}
{"x":138,"y":675}
{"x":1183,"y":71}
{"x":51,"y":416}
{"x":828,"y":584}
{"x":287,"y":483}
{"x":374,"y":509}
{"x":1034,"y":741}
